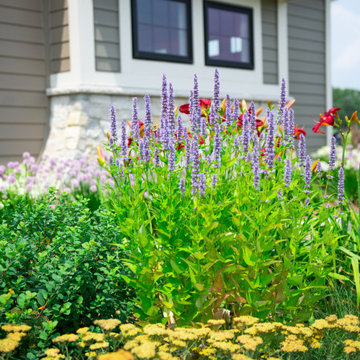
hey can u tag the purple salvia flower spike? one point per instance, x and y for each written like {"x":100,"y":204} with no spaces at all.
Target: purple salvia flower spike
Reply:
{"x":341,"y":184}
{"x":135,"y":131}
{"x":203,"y":126}
{"x":252,"y":116}
{"x":212,"y":115}
{"x":332,"y":155}
{"x":216,"y":96}
{"x":228,"y":111}
{"x":214,"y":180}
{"x":182,"y":186}
{"x":187,"y":148}
{"x":217,"y":146}
{"x":148,"y":117}
{"x":156,"y":157}
{"x":179,"y":130}
{"x":280,"y":195}
{"x":319,"y":167}
{"x":287,"y":172}
{"x":146,"y":152}
{"x":307,"y":173}
{"x":255,"y":165}
{"x":282,"y":102}
{"x":113,"y":125}
{"x":270,"y":151}
{"x":236,"y":143}
{"x":171,"y":108}
{"x":171,"y":159}
{"x":286,"y":124}
{"x":164,"y":106}
{"x":195,"y":163}
{"x":291,"y":126}
{"x":196,"y":112}
{"x":202,"y":185}
{"x":248,"y":157}
{"x":302,"y":150}
{"x":235,"y":112}
{"x":245,"y":135}
{"x":141,"y":149}
{"x":123,"y":142}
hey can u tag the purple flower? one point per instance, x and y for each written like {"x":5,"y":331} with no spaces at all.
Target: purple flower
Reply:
{"x":302,"y":150}
{"x":164,"y":106}
{"x":217,"y":146}
{"x":146,"y":151}
{"x":216,"y":96}
{"x":148,"y":118}
{"x":29,"y":187}
{"x":252,"y":116}
{"x":203,"y":126}
{"x":13,"y":164}
{"x":180,"y":129}
{"x":291,"y":127}
{"x":171,"y":107}
{"x":318,"y":168}
{"x":123,"y":141}
{"x":235,"y":112}
{"x":270,"y":139}
{"x":156,"y":157}
{"x":287,"y":172}
{"x":282,"y":102}
{"x":255,"y":165}
{"x":196,"y":111}
{"x":212,"y":115}
{"x":208,"y":159}
{"x":182,"y":186}
{"x":93,"y":188}
{"x":248,"y":157}
{"x":214,"y":180}
{"x":228,"y":111}
{"x":236,"y":142}
{"x":26,"y":155}
{"x":332,"y":155}
{"x":11,"y":179}
{"x":113,"y":125}
{"x":307,"y":173}
{"x":171,"y":158}
{"x":195,"y":157}
{"x":307,"y":200}
{"x":245,"y":135}
{"x":187,"y":148}
{"x":135,"y":120}
{"x":341,"y":184}
{"x":280,"y":195}
{"x":202,"y":185}
{"x":74,"y":183}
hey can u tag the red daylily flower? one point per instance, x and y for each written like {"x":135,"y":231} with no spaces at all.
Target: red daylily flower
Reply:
{"x":202,"y":140}
{"x":204,"y":105}
{"x":298,"y":132}
{"x":328,"y":119}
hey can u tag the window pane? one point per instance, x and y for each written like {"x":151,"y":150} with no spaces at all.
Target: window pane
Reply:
{"x":162,"y":27}
{"x":228,"y":35}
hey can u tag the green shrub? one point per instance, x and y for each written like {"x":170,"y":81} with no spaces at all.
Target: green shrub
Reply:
{"x":58,"y":265}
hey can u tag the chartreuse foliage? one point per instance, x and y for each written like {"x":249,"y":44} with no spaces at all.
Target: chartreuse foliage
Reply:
{"x":58,"y":267}
{"x":244,"y":338}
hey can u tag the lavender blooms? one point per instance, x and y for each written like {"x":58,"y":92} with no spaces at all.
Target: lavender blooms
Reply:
{"x":135,"y":121}
{"x":187,"y":148}
{"x":171,"y":108}
{"x":332,"y":155}
{"x":302,"y":150}
{"x":180,"y":129}
{"x":228,"y":111}
{"x":113,"y":126}
{"x":212,"y":115}
{"x":214,"y":181}
{"x":282,"y":102}
{"x":195,"y":158}
{"x":164,"y":107}
{"x":255,"y":165}
{"x":217,"y":146}
{"x":341,"y":184}
{"x":182,"y":186}
{"x":123,"y":142}
{"x":307,"y":173}
{"x":280,"y":195}
{"x":287,"y":173}
{"x":171,"y":159}
{"x":245,"y":136}
{"x":202,"y":126}
{"x":202,"y":185}
{"x":252,"y":116}
{"x":291,"y":127}
{"x":235,"y":112}
{"x":270,"y":151}
{"x":148,"y":119}
{"x":156,"y":157}
{"x":196,"y":110}
{"x":216,"y":96}
{"x":319,"y":168}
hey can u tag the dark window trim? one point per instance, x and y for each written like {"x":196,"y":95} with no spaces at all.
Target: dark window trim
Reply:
{"x":162,"y":57}
{"x":240,"y":9}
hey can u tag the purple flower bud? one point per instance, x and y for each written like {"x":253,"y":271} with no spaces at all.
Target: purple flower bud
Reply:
{"x":182,"y":186}
{"x":214,"y":180}
{"x":212,"y":115}
{"x":146,"y":152}
{"x":113,"y":125}
{"x":255,"y":165}
{"x":156,"y":157}
{"x":202,"y":185}
{"x":332,"y":155}
{"x":236,"y":142}
{"x":291,"y":126}
{"x":135,"y":121}
{"x":203,"y":126}
{"x":341,"y":184}
{"x":180,"y":129}
{"x":171,"y":108}
{"x":208,"y":159}
{"x":280,"y":195}
{"x":245,"y":135}
{"x":228,"y":111}
{"x":187,"y":148}
{"x":287,"y":172}
{"x":307,"y":173}
{"x":196,"y":111}
{"x":319,"y":168}
{"x":164,"y":106}
{"x":302,"y":150}
{"x":148,"y":118}
{"x":252,"y":116}
{"x":74,"y":183}
{"x":217,"y":146}
{"x":235,"y":112}
{"x":123,"y":142}
{"x":141,"y":149}
{"x":270,"y":139}
{"x":216,"y":96}
{"x":195,"y":163}
{"x":248,"y":157}
{"x":307,"y":201}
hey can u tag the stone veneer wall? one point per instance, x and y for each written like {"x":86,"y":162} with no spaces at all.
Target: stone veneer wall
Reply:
{"x":79,"y":122}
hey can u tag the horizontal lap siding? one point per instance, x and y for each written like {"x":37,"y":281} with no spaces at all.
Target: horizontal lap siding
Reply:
{"x":59,"y":36}
{"x":106,"y":27}
{"x":307,"y":66}
{"x":270,"y":41}
{"x":23,"y":103}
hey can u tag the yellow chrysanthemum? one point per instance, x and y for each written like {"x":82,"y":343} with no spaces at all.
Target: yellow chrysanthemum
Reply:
{"x":108,"y":324}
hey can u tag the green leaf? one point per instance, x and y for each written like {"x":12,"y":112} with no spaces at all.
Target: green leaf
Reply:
{"x":338,"y":277}
{"x":247,"y":255}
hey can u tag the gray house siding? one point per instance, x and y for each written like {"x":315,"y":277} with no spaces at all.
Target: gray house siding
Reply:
{"x":23,"y":103}
{"x":59,"y":36}
{"x":106,"y":27}
{"x":307,"y":64}
{"x":269,"y":21}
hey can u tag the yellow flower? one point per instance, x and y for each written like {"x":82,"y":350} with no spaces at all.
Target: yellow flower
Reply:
{"x":155,"y":330}
{"x":145,"y":351}
{"x":249,"y":342}
{"x":224,"y":346}
{"x":89,"y":336}
{"x":108,"y":324}
{"x":17,"y":336}
{"x":165,"y":356}
{"x":66,"y":338}
{"x":349,"y":349}
{"x":119,"y":355}
{"x":239,"y":357}
{"x":99,"y":345}
{"x":91,"y":354}
{"x":245,"y":320}
{"x":52,"y":352}
{"x":8,"y":345}
{"x":218,"y":322}
{"x":331,"y":318}
{"x":293,"y":344}
{"x":15,"y":328}
{"x":222,"y":335}
{"x":82,"y":330}
{"x":129,"y":330}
